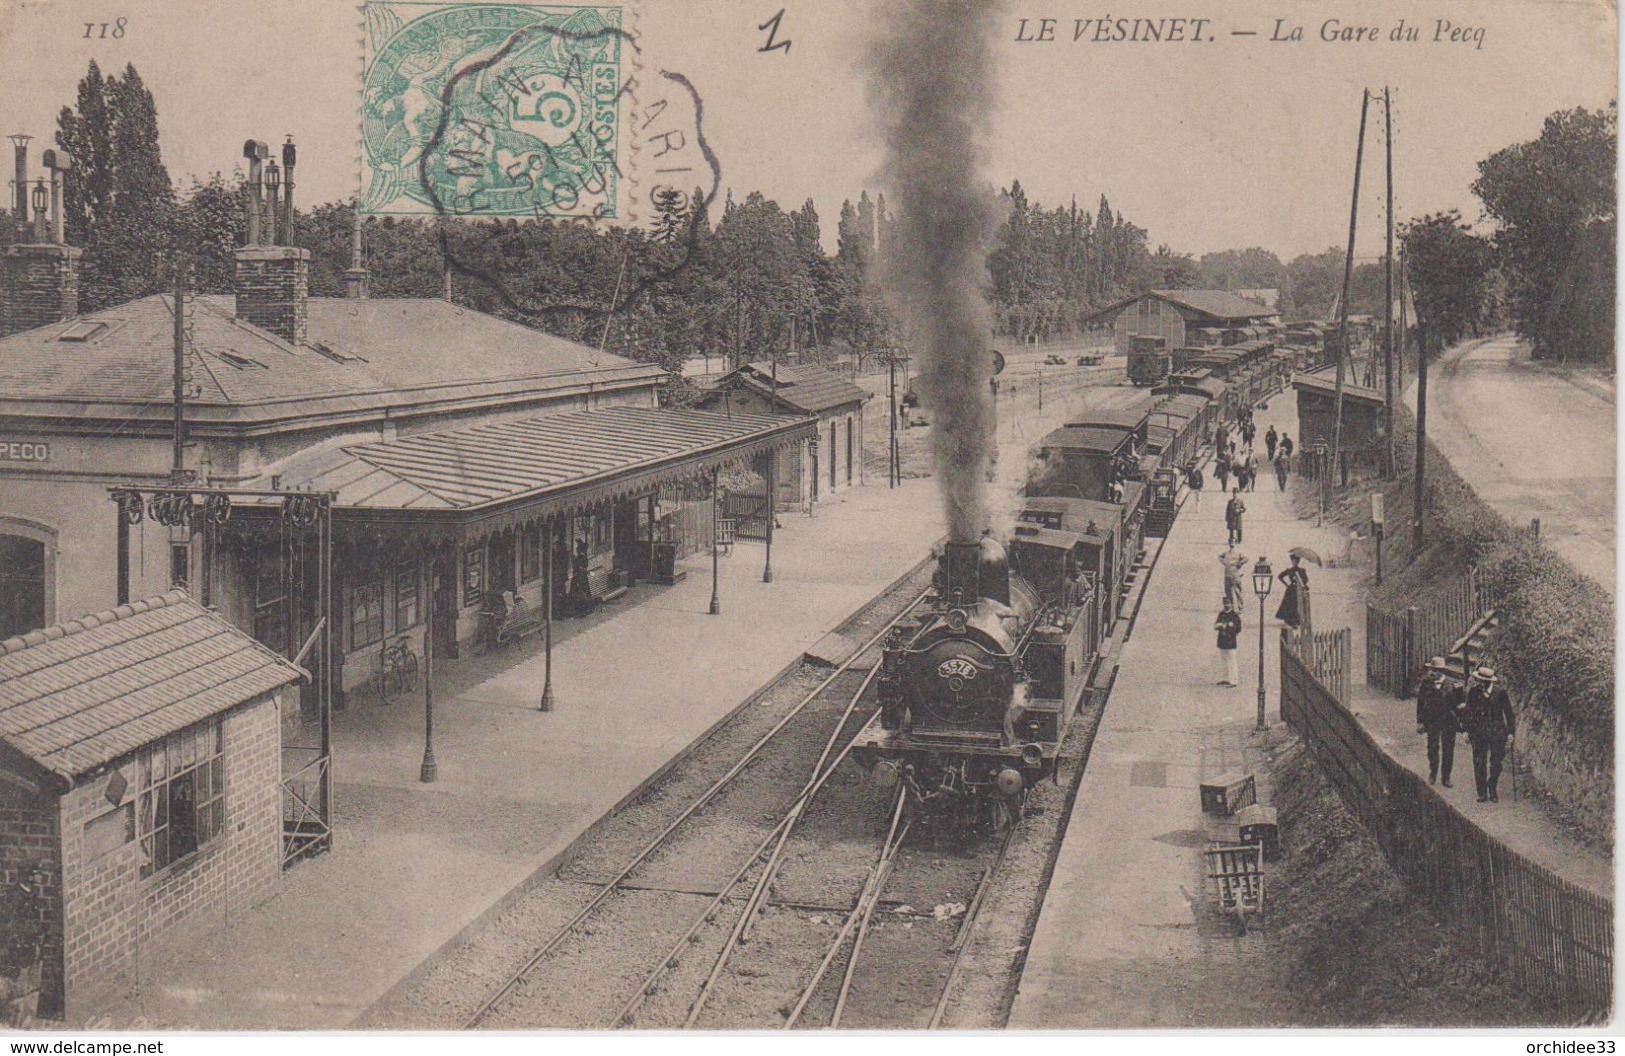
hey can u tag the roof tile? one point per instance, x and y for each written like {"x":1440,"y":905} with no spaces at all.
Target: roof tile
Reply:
{"x":94,"y":689}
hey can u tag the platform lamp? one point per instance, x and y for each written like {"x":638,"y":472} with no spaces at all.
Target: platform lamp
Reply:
{"x":1263,"y":580}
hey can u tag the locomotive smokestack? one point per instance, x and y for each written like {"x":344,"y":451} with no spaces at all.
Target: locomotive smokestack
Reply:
{"x":931,"y":78}
{"x":961,"y":581}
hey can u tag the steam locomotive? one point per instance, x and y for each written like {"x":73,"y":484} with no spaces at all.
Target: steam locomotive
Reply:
{"x":975,"y":694}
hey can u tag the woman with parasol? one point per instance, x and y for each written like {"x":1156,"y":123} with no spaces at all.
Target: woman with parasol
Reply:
{"x":1293,"y":605}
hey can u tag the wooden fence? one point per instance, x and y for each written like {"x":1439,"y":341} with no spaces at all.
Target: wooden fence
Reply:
{"x":1554,"y":937}
{"x":1327,"y":654}
{"x":1397,"y":644}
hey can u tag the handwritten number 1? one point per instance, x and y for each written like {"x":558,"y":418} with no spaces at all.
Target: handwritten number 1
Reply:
{"x":771,"y":28}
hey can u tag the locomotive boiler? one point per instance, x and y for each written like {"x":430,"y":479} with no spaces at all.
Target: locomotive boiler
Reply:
{"x":975,"y":695}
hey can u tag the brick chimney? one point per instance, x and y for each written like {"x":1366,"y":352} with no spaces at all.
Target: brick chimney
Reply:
{"x":273,"y":290}
{"x":273,"y":281}
{"x":41,"y":278}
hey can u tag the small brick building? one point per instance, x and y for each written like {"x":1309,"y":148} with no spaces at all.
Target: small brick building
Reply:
{"x":140,"y":790}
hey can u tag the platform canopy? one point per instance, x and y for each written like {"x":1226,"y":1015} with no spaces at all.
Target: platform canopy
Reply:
{"x":509,"y":473}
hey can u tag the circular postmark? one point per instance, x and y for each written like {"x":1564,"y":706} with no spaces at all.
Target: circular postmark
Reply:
{"x":493,"y":110}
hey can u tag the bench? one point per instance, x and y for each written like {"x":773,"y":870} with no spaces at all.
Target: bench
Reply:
{"x":605,"y":585}
{"x":727,"y":531}
{"x":514,"y":620}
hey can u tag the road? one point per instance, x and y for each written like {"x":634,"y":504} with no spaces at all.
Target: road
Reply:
{"x":1533,"y":441}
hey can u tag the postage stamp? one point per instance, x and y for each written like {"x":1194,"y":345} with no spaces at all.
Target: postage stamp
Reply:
{"x":500,"y":110}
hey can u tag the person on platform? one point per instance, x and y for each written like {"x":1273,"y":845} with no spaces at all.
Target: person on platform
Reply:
{"x":1292,"y":607}
{"x":1194,"y":481}
{"x":1232,"y":515}
{"x":1491,"y":726}
{"x":1287,"y":445}
{"x":580,"y":589}
{"x":1228,"y":626}
{"x":1438,"y":701}
{"x":1282,"y":465}
{"x":1234,"y":562}
{"x":1248,"y":431}
{"x":1222,"y":470}
{"x":1250,"y":468}
{"x":1271,"y":438}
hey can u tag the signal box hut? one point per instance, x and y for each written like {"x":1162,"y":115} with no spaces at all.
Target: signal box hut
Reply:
{"x":1363,"y":437}
{"x":140,"y":792}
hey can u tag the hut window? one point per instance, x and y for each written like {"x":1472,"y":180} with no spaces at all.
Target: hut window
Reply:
{"x":366,"y":615}
{"x":182,"y":804}
{"x":530,"y":555}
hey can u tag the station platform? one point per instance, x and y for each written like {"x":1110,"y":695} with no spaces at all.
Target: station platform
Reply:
{"x":1124,"y":939}
{"x":413,"y":865}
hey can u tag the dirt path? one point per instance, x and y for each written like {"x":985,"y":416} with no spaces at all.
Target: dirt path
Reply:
{"x":1533,"y":442}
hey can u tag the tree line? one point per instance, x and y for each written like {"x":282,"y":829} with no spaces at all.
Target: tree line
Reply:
{"x":754,"y":279}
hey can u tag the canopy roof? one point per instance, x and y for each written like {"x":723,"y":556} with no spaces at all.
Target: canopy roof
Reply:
{"x":549,"y":464}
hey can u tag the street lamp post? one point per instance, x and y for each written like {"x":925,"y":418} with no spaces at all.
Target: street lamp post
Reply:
{"x":716,"y":544}
{"x":428,"y":770}
{"x":1263,"y":580}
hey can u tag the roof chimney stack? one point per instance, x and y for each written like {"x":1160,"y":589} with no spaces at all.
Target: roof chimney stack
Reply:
{"x":288,"y":155}
{"x":41,"y":284}
{"x":272,"y":281}
{"x":19,"y":207}
{"x":357,"y":279}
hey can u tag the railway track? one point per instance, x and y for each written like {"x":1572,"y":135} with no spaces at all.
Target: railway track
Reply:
{"x":843,"y":684}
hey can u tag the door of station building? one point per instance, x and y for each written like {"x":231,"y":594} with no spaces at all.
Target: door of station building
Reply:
{"x":22,"y":585}
{"x":443,"y":596}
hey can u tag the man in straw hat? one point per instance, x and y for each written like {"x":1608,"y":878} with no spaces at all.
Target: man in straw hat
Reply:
{"x":1437,"y":699}
{"x":1490,"y":726}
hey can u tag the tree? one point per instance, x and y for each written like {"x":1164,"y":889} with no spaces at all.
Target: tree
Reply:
{"x":1173,"y":271}
{"x":1449,"y":269}
{"x":1553,"y":198}
{"x":118,"y":202}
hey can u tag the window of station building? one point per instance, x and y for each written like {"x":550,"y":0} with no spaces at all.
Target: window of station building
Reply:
{"x":530,"y":554}
{"x":179,"y":558}
{"x":474,"y":574}
{"x":268,"y":596}
{"x":407,"y":591}
{"x":182,"y":801}
{"x":366,"y":615}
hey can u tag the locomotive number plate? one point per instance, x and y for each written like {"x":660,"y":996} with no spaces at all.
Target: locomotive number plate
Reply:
{"x":957,"y":667}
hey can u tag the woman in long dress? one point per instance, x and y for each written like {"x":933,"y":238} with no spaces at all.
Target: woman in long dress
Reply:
{"x":1297,"y":581}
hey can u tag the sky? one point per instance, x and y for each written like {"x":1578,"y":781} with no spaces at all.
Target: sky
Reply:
{"x":1228,"y":142}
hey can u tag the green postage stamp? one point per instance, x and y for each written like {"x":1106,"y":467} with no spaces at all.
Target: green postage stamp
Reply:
{"x":510,"y":109}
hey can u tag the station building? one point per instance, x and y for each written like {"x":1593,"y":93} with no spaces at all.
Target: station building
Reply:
{"x":1176,"y":316}
{"x":831,"y":459}
{"x":140,"y":793}
{"x":461,"y":451}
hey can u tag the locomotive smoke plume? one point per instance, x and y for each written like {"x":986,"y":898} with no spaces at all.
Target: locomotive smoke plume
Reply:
{"x":931,"y":81}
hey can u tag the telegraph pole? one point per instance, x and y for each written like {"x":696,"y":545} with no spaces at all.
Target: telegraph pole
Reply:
{"x":1388,"y":296}
{"x":1348,"y":282}
{"x":178,"y":466}
{"x":891,"y":442}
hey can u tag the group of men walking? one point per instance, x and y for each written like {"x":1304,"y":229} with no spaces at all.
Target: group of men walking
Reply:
{"x":1479,"y":706}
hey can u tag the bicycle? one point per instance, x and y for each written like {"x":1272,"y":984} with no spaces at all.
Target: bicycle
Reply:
{"x":399,"y":674}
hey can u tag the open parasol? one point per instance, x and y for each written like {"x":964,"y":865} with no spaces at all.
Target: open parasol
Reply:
{"x":1303,"y":553}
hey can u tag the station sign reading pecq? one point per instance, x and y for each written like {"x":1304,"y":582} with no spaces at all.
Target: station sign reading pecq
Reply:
{"x":24,"y":451}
